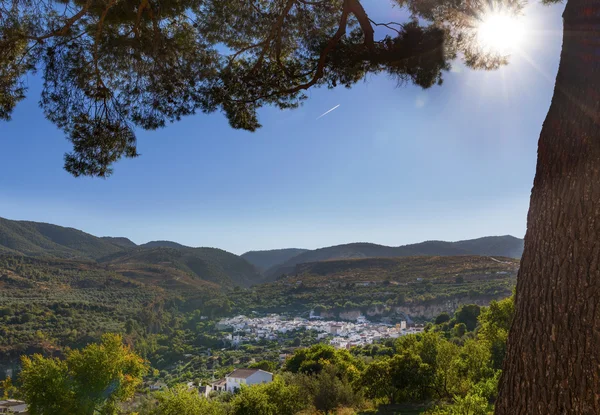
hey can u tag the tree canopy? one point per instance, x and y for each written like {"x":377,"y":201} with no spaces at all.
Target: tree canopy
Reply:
{"x":93,"y":379}
{"x":111,"y":66}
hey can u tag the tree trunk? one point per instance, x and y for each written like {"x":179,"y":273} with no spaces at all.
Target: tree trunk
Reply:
{"x":552,"y":364}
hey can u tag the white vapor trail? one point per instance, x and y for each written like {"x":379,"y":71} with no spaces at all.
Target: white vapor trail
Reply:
{"x":327,"y":112}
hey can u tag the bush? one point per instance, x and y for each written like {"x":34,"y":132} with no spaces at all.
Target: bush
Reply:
{"x":442,"y":318}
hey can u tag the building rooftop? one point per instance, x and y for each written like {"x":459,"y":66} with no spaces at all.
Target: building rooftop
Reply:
{"x":13,"y":406}
{"x":220,"y":382}
{"x":245,"y":373}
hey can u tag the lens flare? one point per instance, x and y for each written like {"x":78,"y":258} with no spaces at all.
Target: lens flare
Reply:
{"x":500,"y":32}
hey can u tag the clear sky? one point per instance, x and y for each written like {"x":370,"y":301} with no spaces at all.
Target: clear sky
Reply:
{"x":390,"y":165}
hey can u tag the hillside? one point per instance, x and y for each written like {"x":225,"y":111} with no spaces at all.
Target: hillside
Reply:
{"x":403,"y":269}
{"x":74,"y":301}
{"x":206,"y":264}
{"x":43,"y":239}
{"x":119,"y":241}
{"x":506,"y":246}
{"x":264,"y":260}
{"x":163,"y":244}
{"x":163,"y":263}
{"x":417,"y":286}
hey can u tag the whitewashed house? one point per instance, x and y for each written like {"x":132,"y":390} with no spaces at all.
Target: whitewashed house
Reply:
{"x":240,"y":377}
{"x":12,"y":406}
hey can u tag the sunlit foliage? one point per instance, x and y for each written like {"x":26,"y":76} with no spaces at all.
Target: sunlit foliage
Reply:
{"x":93,"y":379}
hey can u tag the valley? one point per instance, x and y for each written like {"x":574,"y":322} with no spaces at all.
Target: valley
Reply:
{"x":62,"y":288}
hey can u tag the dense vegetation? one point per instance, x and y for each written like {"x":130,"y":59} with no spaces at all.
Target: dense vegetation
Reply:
{"x":43,"y":239}
{"x":49,"y":304}
{"x":166,"y":263}
{"x":452,"y":368}
{"x":205,"y":264}
{"x":93,"y":380}
{"x":383,"y":287}
{"x":165,"y":299}
{"x":506,"y":246}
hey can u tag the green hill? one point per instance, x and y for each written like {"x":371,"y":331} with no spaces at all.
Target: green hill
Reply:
{"x":43,"y":239}
{"x":264,"y":260}
{"x":207,"y":264}
{"x":163,"y":263}
{"x":163,"y":244}
{"x":416,"y":285}
{"x":168,"y":260}
{"x":506,"y":246}
{"x":119,"y":241}
{"x":405,"y":269}
{"x":74,"y":301}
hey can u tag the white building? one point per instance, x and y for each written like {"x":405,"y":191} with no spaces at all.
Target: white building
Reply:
{"x":239,"y":377}
{"x":12,"y":406}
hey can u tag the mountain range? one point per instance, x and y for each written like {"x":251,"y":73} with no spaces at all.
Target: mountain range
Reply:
{"x":505,"y":246}
{"x":170,"y":263}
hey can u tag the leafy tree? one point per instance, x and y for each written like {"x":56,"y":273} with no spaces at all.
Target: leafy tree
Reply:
{"x":285,"y":395}
{"x":277,"y":398}
{"x":495,"y":322}
{"x":94,"y":379}
{"x":475,"y":361}
{"x":459,"y":330}
{"x":46,"y":387}
{"x":252,"y":400}
{"x":111,"y":66}
{"x":442,"y":318}
{"x":314,"y":359}
{"x":447,"y":375}
{"x":411,"y":376}
{"x":468,"y":314}
{"x":181,"y":401}
{"x":377,"y":381}
{"x":497,"y":317}
{"x":267,"y":365}
{"x":329,"y":389}
{"x":8,"y":389}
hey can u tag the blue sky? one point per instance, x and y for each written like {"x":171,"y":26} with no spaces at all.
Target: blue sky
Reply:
{"x":390,"y":165}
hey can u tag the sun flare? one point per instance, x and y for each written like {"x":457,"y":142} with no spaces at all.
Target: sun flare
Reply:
{"x":500,"y":32}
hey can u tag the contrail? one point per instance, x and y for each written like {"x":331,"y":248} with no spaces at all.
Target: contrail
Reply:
{"x":327,"y":112}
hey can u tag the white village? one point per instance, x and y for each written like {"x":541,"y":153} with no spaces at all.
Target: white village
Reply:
{"x":339,"y":334}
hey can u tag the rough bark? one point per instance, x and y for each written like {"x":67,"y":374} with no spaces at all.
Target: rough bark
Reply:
{"x":553,"y":358}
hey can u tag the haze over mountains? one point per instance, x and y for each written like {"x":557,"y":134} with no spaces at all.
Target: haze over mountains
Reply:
{"x":167,"y":261}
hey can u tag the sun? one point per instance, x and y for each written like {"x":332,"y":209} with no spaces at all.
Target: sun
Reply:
{"x":500,"y":32}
